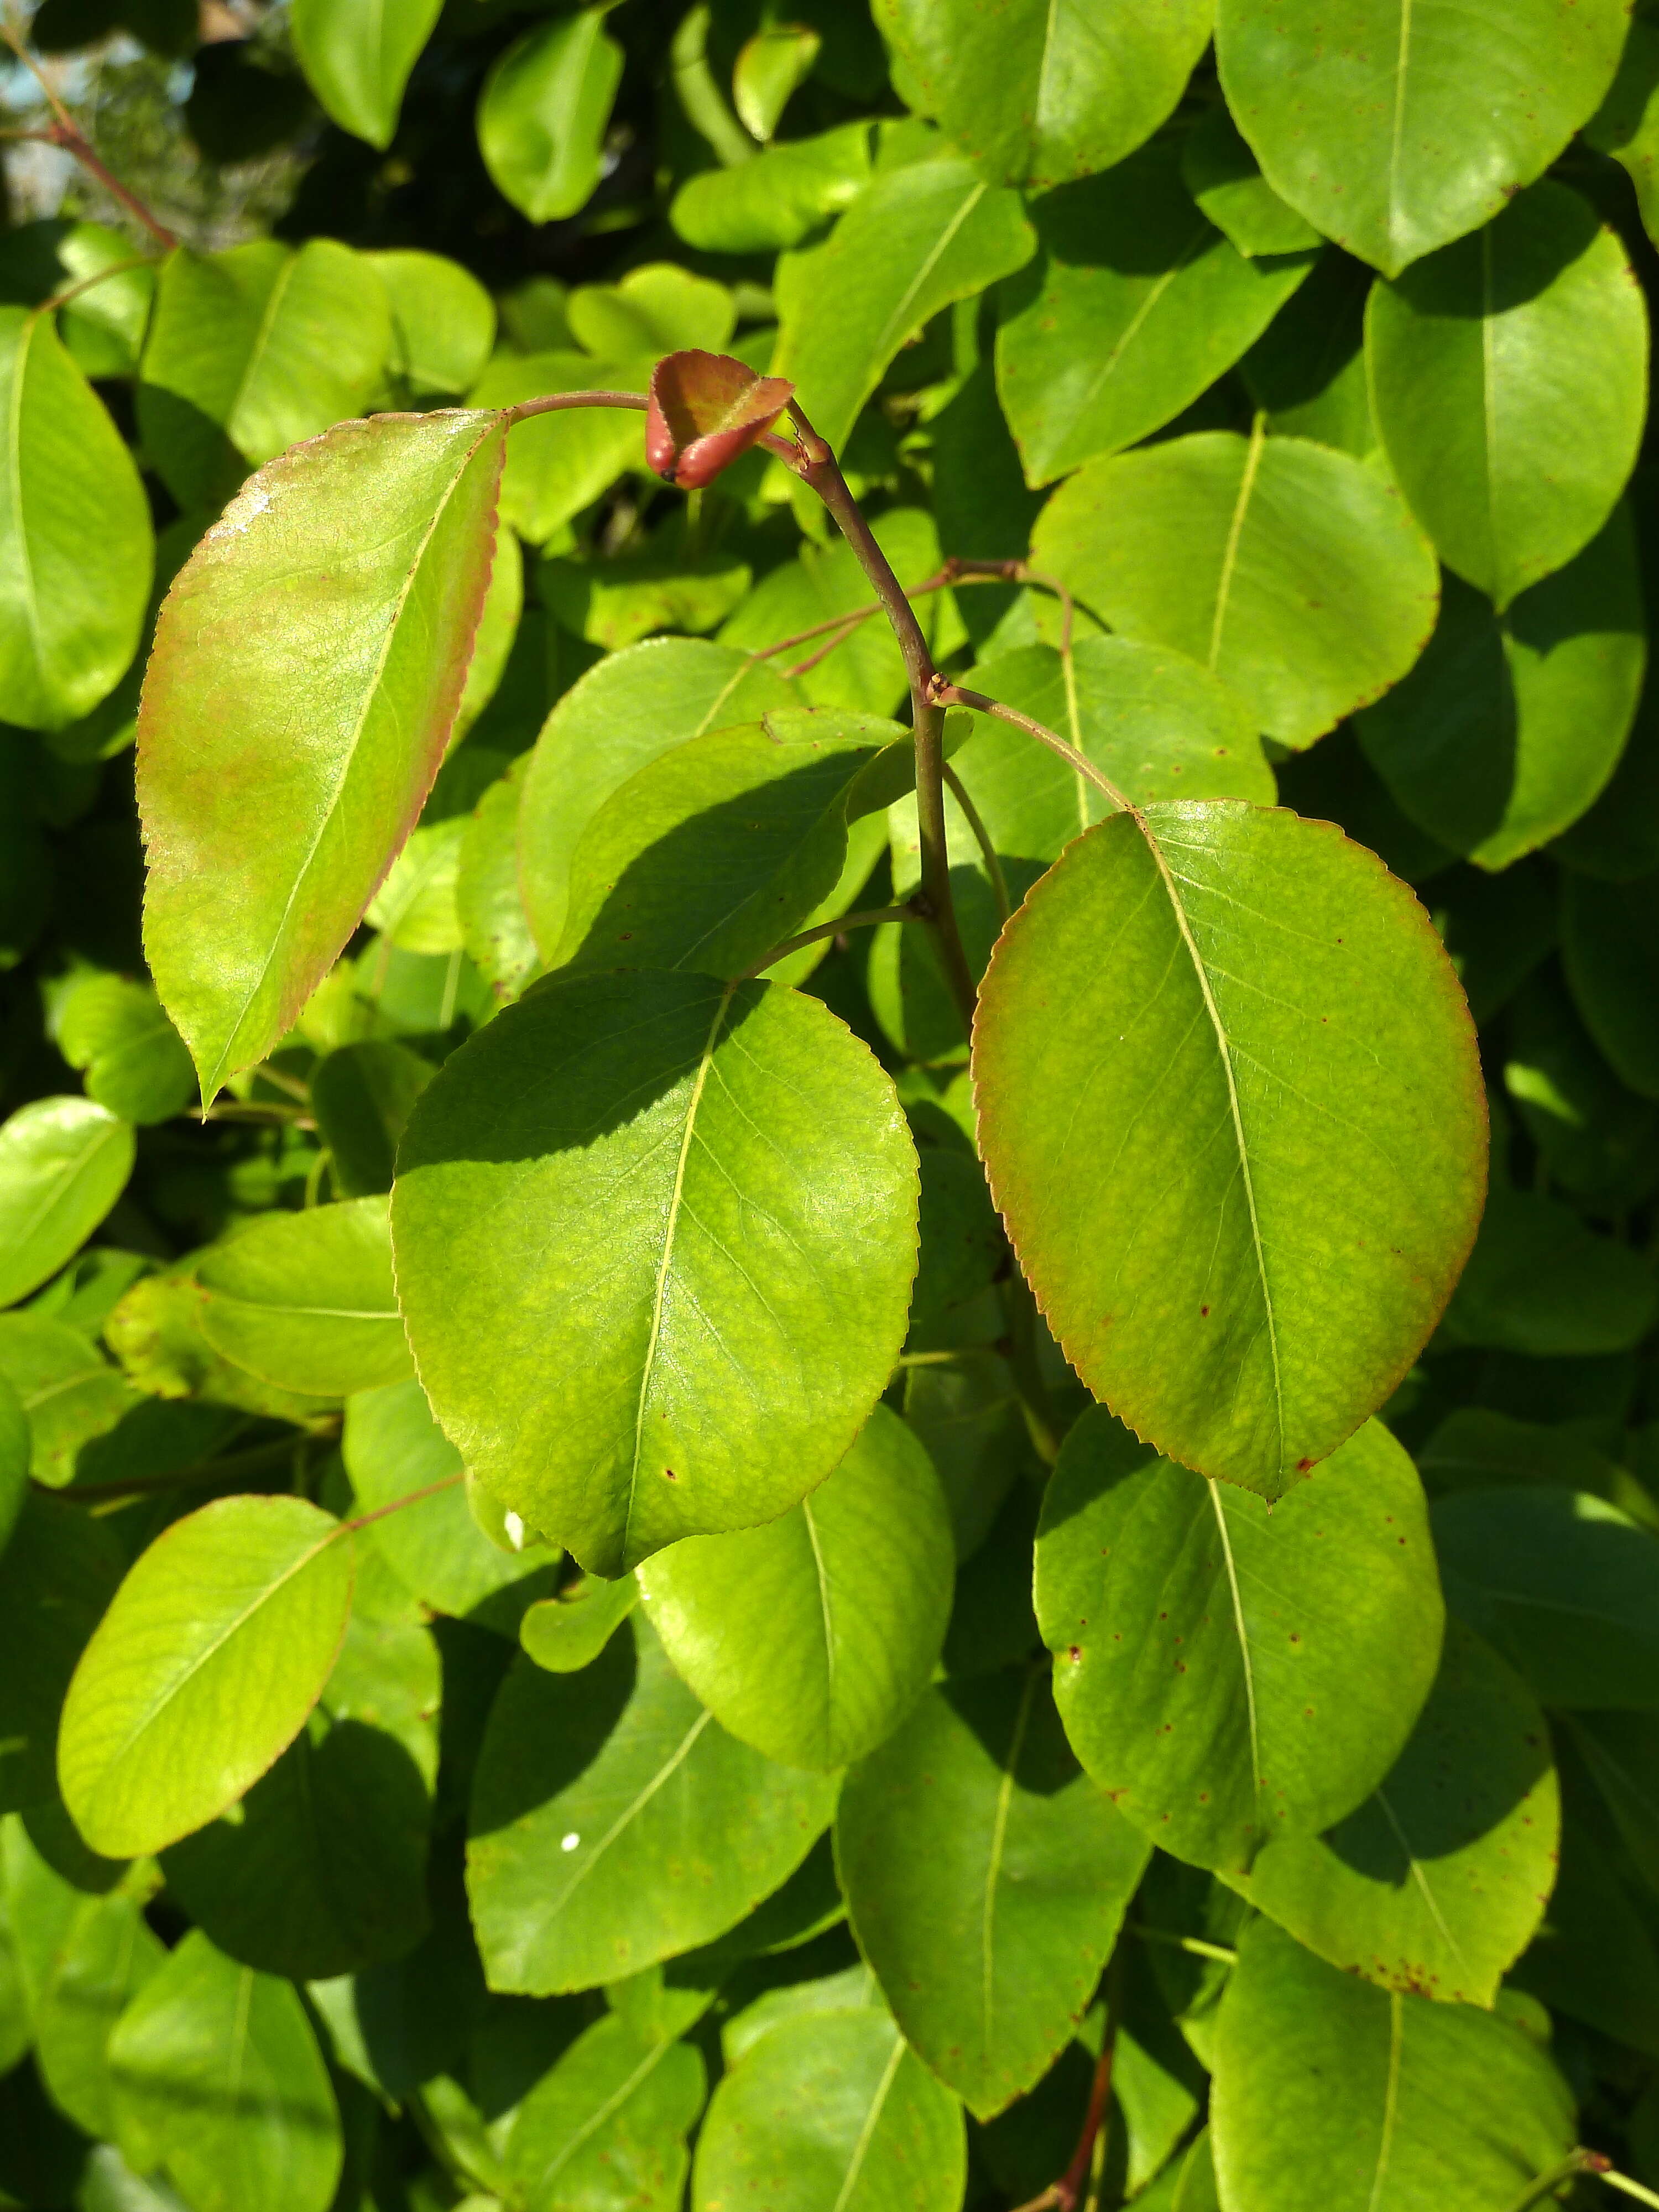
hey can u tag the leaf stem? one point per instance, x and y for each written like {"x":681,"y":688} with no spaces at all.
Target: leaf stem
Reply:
{"x":1595,"y":2164}
{"x":1544,"y":2185}
{"x":870,"y":918}
{"x":982,"y":838}
{"x":816,"y":466}
{"x":235,"y":1464}
{"x":1063,"y":2195}
{"x":415,"y":1497}
{"x":954,"y":695}
{"x":1194,"y":1944}
{"x":553,"y":402}
{"x":74,"y":291}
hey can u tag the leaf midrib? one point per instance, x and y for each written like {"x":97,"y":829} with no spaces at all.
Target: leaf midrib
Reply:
{"x":602,"y":2112}
{"x":66,"y":1174}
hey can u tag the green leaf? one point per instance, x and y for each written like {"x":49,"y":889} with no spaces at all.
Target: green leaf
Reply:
{"x":136,"y":1064}
{"x":985,"y":1877}
{"x":771,"y":66}
{"x":443,"y":321}
{"x":251,"y":350}
{"x":76,"y":550}
{"x":1044,"y":90}
{"x":721,"y":848}
{"x":968,"y":1415}
{"x":70,"y":1394}
{"x":103,"y":329}
{"x":1602,"y":1143}
{"x":1230,"y":1672}
{"x":1222,"y":174}
{"x":414,"y":910}
{"x":1610,"y":949}
{"x":1333,"y":2096}
{"x":321,"y":1869}
{"x":83,"y":1956}
{"x":777,"y":199}
{"x":616,"y":603}
{"x":614,"y":1822}
{"x":1160,"y":728}
{"x":1307,"y":372}
{"x":831,"y":2113}
{"x":811,"y":1638}
{"x":1247,"y":1097}
{"x":658,"y":308}
{"x":629,"y":710}
{"x":1436,"y":1884}
{"x":1595,"y":1958}
{"x":1564,"y":1585}
{"x":393,"y":1449}
{"x":1626,"y":124}
{"x":305,"y":1301}
{"x":362,"y":1096}
{"x":1136,"y":306}
{"x":487,"y":898}
{"x":64,"y":1163}
{"x":914,"y":241}
{"x":1621,"y":1752}
{"x":713,"y":1358}
{"x":568,"y":1631}
{"x":543,"y":113}
{"x":1288,"y":570}
{"x":314,"y":657}
{"x":58,"y":1571}
{"x":1396,"y":125}
{"x":1508,"y":377}
{"x":217,"y":2071}
{"x":1510,"y":726}
{"x":357,"y":55}
{"x":559,"y":463}
{"x":216,"y":1648}
{"x":607,"y":2125}
{"x":1541,"y":1282}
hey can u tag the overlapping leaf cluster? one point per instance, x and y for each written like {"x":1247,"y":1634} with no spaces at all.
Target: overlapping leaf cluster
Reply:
{"x":648,"y":1569}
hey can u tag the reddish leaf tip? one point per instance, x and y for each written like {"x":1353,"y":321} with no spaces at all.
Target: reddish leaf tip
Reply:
{"x":706,"y":410}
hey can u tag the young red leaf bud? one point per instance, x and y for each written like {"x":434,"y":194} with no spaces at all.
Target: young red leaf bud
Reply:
{"x":706,"y":409}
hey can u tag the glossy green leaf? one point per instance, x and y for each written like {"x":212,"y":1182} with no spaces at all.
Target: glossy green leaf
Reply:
{"x":1037,"y":92}
{"x":1288,"y":570}
{"x":321,"y":1869}
{"x":1137,"y":304}
{"x":217,"y":2072}
{"x":495,"y":926}
{"x":657,"y":308}
{"x":70,"y":1395}
{"x":567,"y":1632}
{"x":1333,"y":2096}
{"x":607,"y":2125}
{"x":1228,"y":1672}
{"x":716,"y":851}
{"x":629,"y":710}
{"x":1274,"y":1153}
{"x":136,"y":1064}
{"x":985,"y":1877}
{"x":558,"y":464}
{"x":252,"y":350}
{"x":914,"y":241}
{"x":777,"y":199}
{"x":1610,"y":949}
{"x":712,"y":1362}
{"x":811,"y":1638}
{"x":614,"y":1822}
{"x":357,"y":55}
{"x":202,"y":1671}
{"x":1540,"y":1281}
{"x":1565,"y":1587}
{"x":1510,"y":726}
{"x":362,"y":1096}
{"x":1601,"y":1141}
{"x":968,"y":1415}
{"x":616,"y":603}
{"x":77,"y":550}
{"x":772,"y":65}
{"x":414,"y":910}
{"x":1626,"y":124}
{"x":831,"y":2113}
{"x":104,"y":329}
{"x":58,"y":1571}
{"x":84,"y":1955}
{"x":305,"y":1301}
{"x":394,"y":1449}
{"x":545,"y":111}
{"x":1222,"y":174}
{"x":1436,"y":1884}
{"x":64,"y":1163}
{"x":1160,"y":728}
{"x":318,"y":660}
{"x":1307,"y":372}
{"x":1509,"y":379}
{"x":443,"y":321}
{"x":1396,"y":125}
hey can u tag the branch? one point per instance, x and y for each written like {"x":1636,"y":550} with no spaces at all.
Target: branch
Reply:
{"x":815,"y":465}
{"x":1062,"y":2196}
{"x":62,"y":130}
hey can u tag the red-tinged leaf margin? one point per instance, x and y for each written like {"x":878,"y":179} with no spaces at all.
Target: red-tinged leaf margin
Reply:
{"x":191,"y":821}
{"x":705,"y":410}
